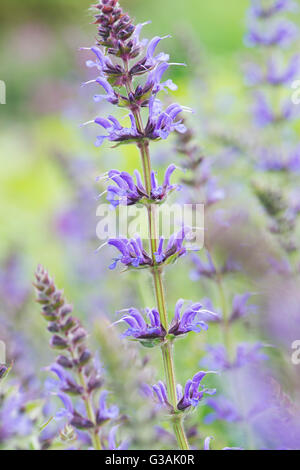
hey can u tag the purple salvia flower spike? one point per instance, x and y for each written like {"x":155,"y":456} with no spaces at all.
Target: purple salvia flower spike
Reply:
{"x":120,"y":38}
{"x":77,"y":373}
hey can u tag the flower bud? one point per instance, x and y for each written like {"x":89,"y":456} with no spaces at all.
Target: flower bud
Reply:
{"x":94,"y":384}
{"x":53,"y":327}
{"x":84,"y":358}
{"x":57,"y":342}
{"x":64,"y":362}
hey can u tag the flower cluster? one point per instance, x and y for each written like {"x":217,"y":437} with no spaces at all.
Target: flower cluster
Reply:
{"x":282,"y":160}
{"x":265,"y":115}
{"x":282,"y":35}
{"x":127,"y":192}
{"x":227,"y":358}
{"x":159,"y":125}
{"x":153,"y":332}
{"x":188,"y":398}
{"x":245,"y":354}
{"x":274,"y":75}
{"x":119,"y":38}
{"x":130,"y":71}
{"x":267,"y":30}
{"x":75,"y":368}
{"x":134,"y":255}
{"x":139,"y":329}
{"x":209,"y":270}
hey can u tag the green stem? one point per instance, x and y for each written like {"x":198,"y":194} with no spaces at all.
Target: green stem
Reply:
{"x":169,"y":372}
{"x":180,"y":434}
{"x":177,"y":420}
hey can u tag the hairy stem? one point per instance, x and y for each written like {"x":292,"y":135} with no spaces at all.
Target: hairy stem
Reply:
{"x":180,"y":434}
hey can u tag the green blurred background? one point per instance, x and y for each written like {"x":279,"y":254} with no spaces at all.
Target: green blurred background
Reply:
{"x":43,"y":69}
{"x":40,"y":138}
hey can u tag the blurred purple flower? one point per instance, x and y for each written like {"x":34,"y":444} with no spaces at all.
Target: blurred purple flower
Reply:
{"x":240,"y":308}
{"x":209,"y":269}
{"x":282,"y":35}
{"x":275,"y":74}
{"x":159,"y":126}
{"x":262,"y":407}
{"x":213,"y":194}
{"x":278,"y":6}
{"x":112,"y":445}
{"x":105,"y":413}
{"x":263,"y":113}
{"x":276,"y":160}
{"x":13,"y":420}
{"x":223,"y":410}
{"x":245,"y":354}
{"x":13,"y":287}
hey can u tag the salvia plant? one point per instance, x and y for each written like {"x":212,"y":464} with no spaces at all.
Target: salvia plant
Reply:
{"x":226,"y":357}
{"x":78,"y":373}
{"x":130,"y":73}
{"x":271,"y":74}
{"x":126,"y":395}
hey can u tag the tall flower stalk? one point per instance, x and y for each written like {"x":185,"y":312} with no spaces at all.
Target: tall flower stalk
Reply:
{"x":271,"y":76}
{"x":118,"y":45}
{"x":228,"y":357}
{"x":75,"y":368}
